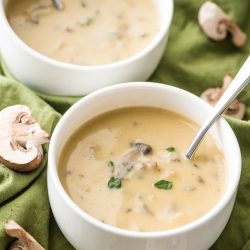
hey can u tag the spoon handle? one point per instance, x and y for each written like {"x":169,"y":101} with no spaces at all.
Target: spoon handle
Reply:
{"x":238,"y":84}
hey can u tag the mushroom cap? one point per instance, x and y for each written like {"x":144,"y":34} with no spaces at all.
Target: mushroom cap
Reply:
{"x":20,"y":159}
{"x":20,"y":139}
{"x":210,"y":18}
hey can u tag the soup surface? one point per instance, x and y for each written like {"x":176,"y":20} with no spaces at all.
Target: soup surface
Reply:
{"x":127,"y":168}
{"x":85,"y":32}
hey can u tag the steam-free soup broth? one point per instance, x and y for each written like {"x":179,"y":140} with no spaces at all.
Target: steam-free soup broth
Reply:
{"x":127,"y":168}
{"x":85,"y":32}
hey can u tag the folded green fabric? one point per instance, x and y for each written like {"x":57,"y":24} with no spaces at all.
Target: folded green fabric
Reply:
{"x":191,"y":62}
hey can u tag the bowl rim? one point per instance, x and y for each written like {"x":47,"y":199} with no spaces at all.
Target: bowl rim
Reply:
{"x":218,"y":207}
{"x":165,"y":22}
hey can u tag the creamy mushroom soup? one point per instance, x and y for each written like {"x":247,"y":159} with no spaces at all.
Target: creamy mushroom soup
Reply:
{"x":85,"y":32}
{"x":127,"y":168}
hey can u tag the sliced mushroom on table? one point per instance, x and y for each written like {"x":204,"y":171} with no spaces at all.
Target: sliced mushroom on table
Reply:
{"x":135,"y":157}
{"x":216,"y":24}
{"x":21,"y":139}
{"x":212,"y":95}
{"x":132,"y":158}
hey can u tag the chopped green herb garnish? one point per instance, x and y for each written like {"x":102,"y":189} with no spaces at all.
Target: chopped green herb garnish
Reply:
{"x":163,"y":184}
{"x":114,"y":182}
{"x":170,"y":149}
{"x":110,"y":164}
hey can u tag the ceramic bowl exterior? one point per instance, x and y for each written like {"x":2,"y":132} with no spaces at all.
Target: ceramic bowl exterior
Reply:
{"x":85,"y":232}
{"x":57,"y":78}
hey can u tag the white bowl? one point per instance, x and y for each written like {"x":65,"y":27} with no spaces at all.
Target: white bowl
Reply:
{"x":86,"y":232}
{"x":58,"y":78}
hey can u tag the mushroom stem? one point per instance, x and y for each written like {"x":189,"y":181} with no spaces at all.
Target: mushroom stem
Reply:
{"x":238,"y":36}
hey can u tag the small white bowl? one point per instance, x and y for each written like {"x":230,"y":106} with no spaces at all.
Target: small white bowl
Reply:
{"x":85,"y":232}
{"x":58,"y":78}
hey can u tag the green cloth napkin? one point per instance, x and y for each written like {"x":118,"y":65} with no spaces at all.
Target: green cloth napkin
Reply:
{"x":192,"y":62}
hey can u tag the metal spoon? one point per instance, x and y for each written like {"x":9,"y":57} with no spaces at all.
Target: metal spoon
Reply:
{"x":238,"y":84}
{"x":58,"y":4}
